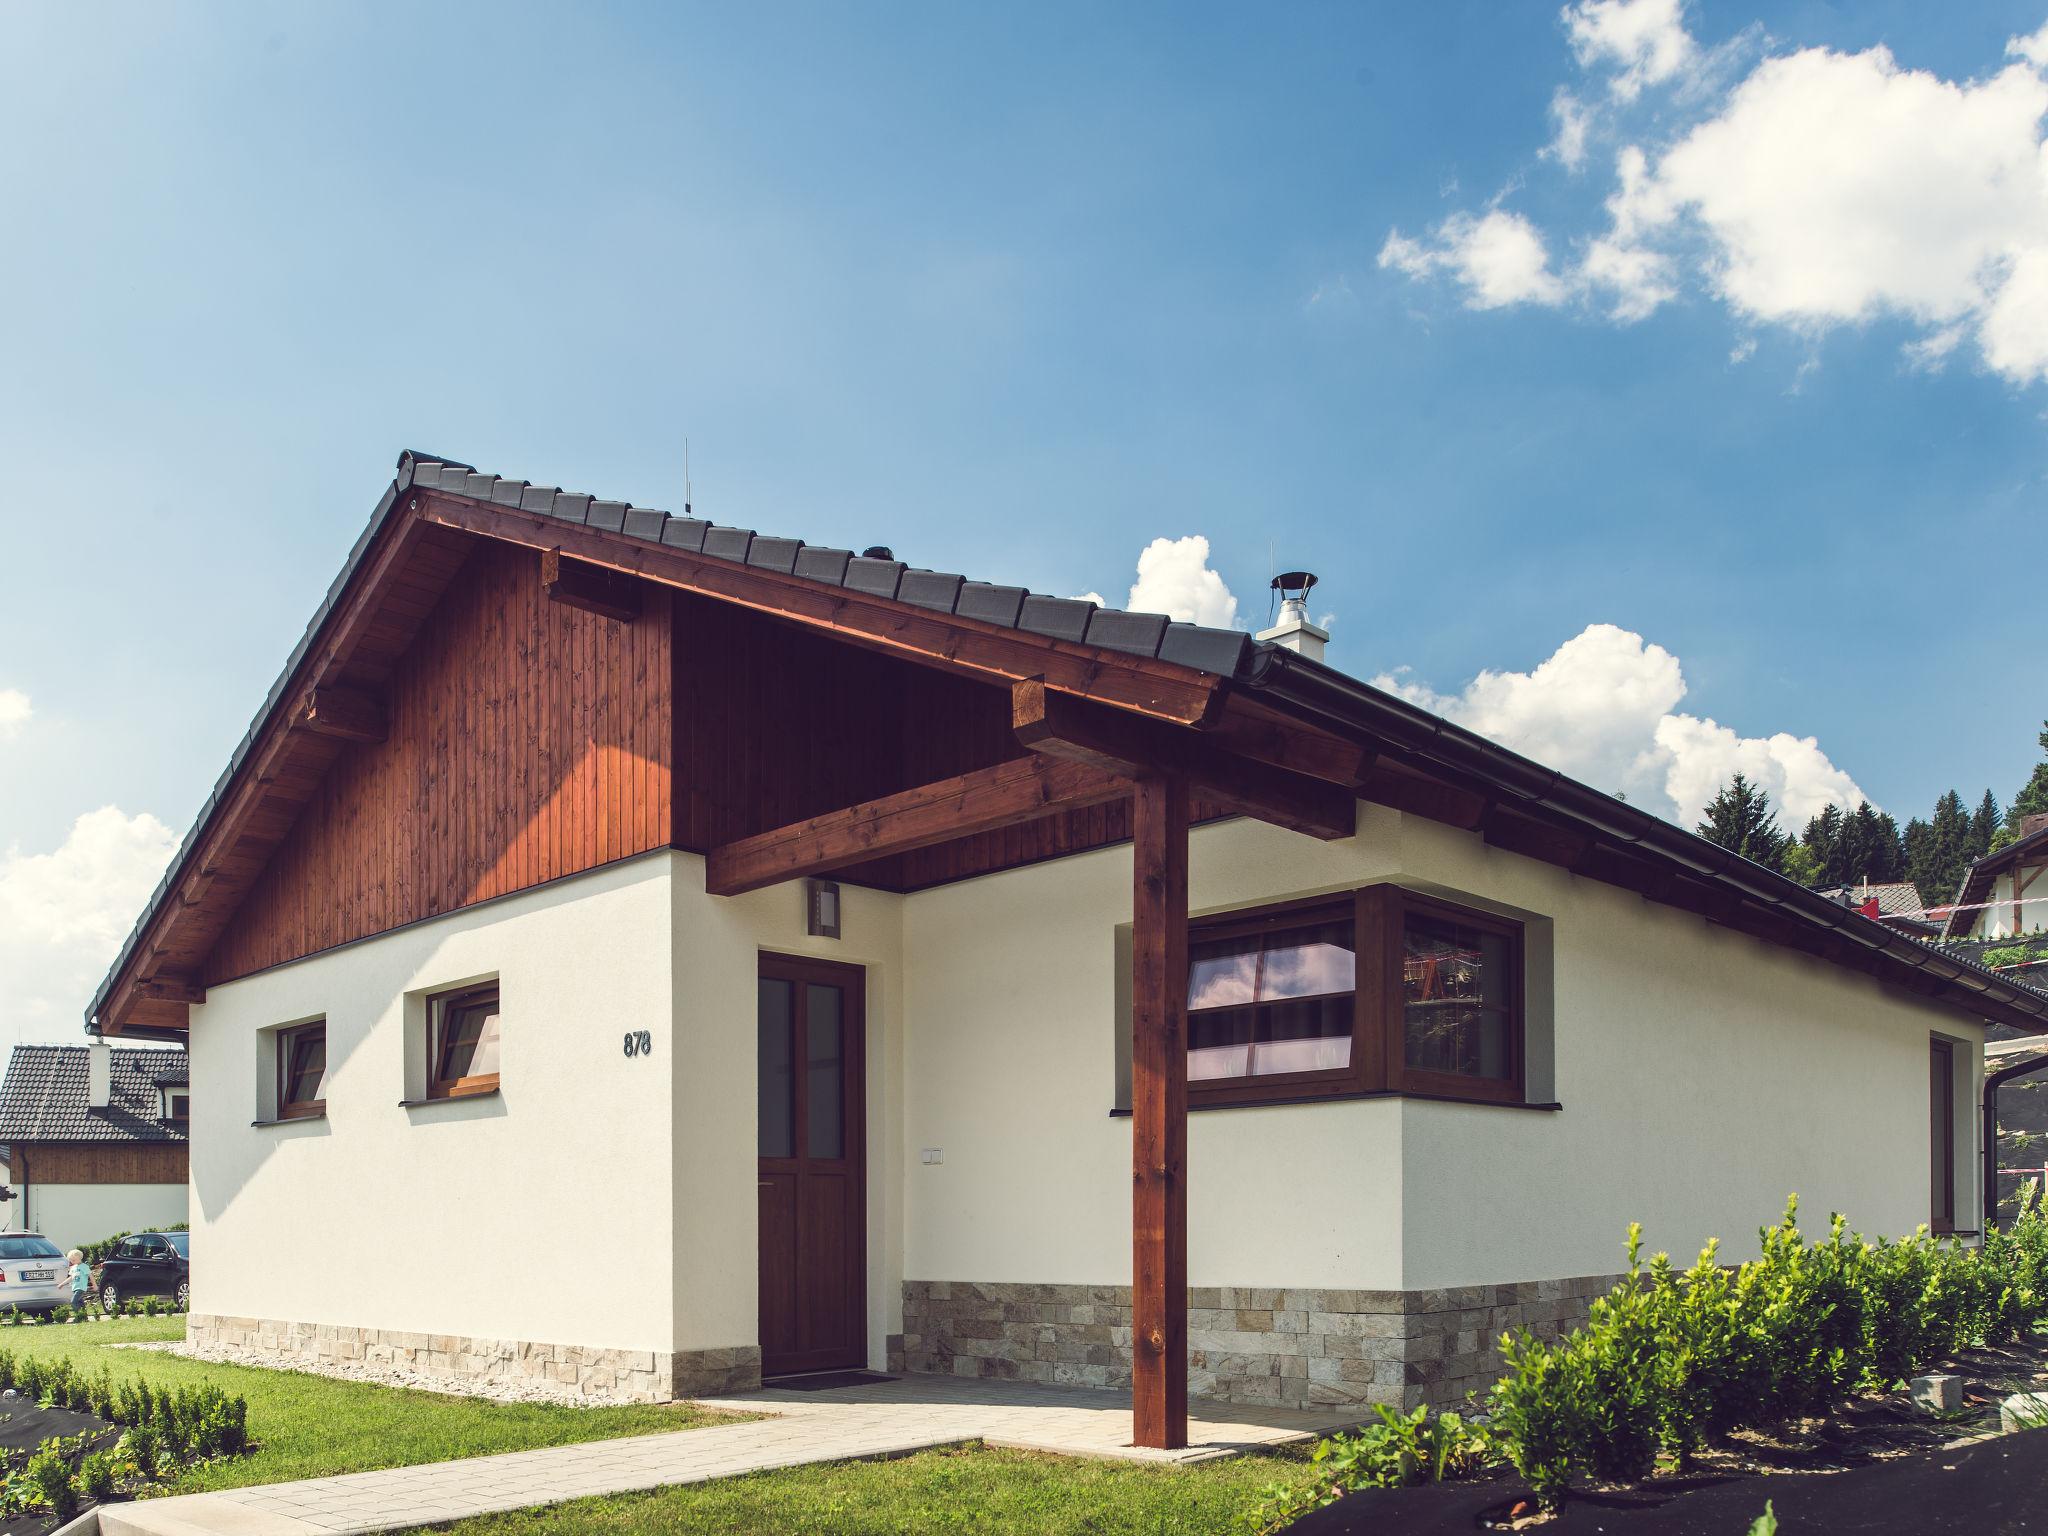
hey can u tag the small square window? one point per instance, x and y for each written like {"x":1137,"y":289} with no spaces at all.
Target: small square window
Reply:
{"x":302,"y":1071}
{"x":177,"y":1105}
{"x":462,"y":1043}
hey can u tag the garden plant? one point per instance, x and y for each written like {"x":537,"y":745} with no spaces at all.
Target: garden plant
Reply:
{"x":1673,"y":1360}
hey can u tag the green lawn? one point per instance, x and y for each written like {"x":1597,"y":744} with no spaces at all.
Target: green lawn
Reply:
{"x":991,"y":1493}
{"x":312,"y":1426}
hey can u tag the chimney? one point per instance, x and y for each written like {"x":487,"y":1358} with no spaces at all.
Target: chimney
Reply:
{"x":1294,"y":630}
{"x":99,"y":1074}
{"x":2033,"y":823}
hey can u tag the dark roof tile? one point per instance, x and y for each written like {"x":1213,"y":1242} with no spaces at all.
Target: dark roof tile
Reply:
{"x":43,"y":1097}
{"x":816,"y":563}
{"x":937,"y":590}
{"x":685,"y":533}
{"x":877,"y":577}
{"x":728,"y":543}
{"x":1063,"y":618}
{"x":1221,"y":651}
{"x":990,"y":604}
{"x":644,"y":523}
{"x":774,"y":554}
{"x":1116,"y":630}
{"x":609,"y":515}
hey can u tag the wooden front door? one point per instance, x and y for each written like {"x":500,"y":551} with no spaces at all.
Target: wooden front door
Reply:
{"x":810,"y":1041}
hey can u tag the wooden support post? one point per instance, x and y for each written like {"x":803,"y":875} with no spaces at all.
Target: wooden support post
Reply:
{"x":1159,"y":1113}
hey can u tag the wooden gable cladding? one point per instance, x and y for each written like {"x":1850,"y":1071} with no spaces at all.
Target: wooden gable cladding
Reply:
{"x":526,"y":740}
{"x":94,"y":1162}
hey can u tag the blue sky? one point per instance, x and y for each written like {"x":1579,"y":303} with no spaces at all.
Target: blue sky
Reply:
{"x":1019,"y":291}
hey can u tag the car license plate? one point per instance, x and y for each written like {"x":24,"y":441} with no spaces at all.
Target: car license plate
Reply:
{"x":39,"y":1274}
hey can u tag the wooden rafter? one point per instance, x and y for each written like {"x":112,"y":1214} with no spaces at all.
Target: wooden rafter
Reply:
{"x":592,"y":588}
{"x":1022,"y":789}
{"x":942,"y":640}
{"x":352,"y":714}
{"x":1119,"y":742}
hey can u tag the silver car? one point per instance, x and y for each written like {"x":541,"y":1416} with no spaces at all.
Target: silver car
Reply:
{"x":33,"y":1274}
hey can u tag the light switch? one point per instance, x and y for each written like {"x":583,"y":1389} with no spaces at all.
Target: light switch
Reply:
{"x":934,"y":1154}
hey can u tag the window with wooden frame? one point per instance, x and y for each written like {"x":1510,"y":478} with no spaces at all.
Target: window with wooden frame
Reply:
{"x":1378,"y":991}
{"x":302,"y":1071}
{"x":1941,"y":1143}
{"x":462,"y":1043}
{"x":177,"y":1105}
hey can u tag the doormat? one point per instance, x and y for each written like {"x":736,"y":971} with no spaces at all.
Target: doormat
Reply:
{"x":826,"y":1381}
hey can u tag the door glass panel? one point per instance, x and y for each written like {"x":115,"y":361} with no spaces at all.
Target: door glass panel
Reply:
{"x":775,"y":1080}
{"x":824,"y":1083}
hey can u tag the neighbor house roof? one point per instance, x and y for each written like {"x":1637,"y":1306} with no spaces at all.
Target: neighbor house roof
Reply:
{"x":43,"y":1097}
{"x":1185,"y":673}
{"x":1897,"y":900}
{"x":1981,"y":875}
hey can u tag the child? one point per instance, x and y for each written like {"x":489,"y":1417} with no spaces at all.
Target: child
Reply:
{"x":81,"y":1279}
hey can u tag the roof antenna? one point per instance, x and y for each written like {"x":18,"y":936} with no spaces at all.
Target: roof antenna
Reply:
{"x":686,"y":478}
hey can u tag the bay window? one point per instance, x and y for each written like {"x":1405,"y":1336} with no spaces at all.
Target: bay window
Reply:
{"x":1378,"y":991}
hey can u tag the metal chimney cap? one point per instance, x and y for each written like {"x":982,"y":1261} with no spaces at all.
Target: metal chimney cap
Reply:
{"x":1294,"y":581}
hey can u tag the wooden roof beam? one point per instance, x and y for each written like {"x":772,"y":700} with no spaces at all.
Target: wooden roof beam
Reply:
{"x":579,"y":584}
{"x":1119,"y":742}
{"x":351,"y":714}
{"x":984,"y":800}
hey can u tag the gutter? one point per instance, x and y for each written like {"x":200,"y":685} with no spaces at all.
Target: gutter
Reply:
{"x":1323,"y":696}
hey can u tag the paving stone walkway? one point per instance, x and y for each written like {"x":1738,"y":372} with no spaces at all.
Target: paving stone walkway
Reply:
{"x":878,"y":1419}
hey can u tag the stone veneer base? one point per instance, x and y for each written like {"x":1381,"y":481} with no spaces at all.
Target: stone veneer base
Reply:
{"x":630,"y":1375}
{"x":1246,"y":1344}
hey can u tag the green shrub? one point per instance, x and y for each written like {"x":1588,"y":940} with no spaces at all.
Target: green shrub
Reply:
{"x":48,"y":1475}
{"x":96,"y":1476}
{"x":143,"y":1446}
{"x":1402,"y":1448}
{"x":1668,"y":1360}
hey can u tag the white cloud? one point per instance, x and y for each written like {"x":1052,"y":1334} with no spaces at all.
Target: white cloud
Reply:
{"x":63,"y":915}
{"x":1174,"y":578}
{"x":1602,"y":708}
{"x":14,"y":710}
{"x":1500,"y":259}
{"x":1574,"y":121}
{"x":1644,"y":41}
{"x":1803,"y":190}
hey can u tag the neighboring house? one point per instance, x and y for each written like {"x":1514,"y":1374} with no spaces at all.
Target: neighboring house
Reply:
{"x":1897,"y":905}
{"x":2005,"y":894}
{"x":817,"y":952}
{"x":96,"y":1139}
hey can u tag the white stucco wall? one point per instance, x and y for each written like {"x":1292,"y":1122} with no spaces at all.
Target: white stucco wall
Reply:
{"x":1703,"y":1076}
{"x":612,"y":1201}
{"x":71,"y":1215}
{"x":538,"y":1214}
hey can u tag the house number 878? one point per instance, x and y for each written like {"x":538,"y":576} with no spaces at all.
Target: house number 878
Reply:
{"x":639,"y":1043}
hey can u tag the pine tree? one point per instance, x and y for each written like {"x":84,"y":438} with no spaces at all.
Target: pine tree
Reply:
{"x":1922,"y":866}
{"x":1984,"y":825}
{"x":2032,"y":800}
{"x":1947,"y":850}
{"x":1819,"y":839}
{"x":1740,"y":819}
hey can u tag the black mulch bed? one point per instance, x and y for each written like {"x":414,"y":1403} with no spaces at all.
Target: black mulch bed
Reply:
{"x":25,"y":1425}
{"x":1878,"y":1465}
{"x":1991,"y":1488}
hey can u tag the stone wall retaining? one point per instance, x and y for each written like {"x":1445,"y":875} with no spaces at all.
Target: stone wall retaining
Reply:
{"x":1246,"y":1344}
{"x":631,"y":1375}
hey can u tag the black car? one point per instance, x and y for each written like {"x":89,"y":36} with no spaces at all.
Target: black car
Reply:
{"x":147,"y":1264}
